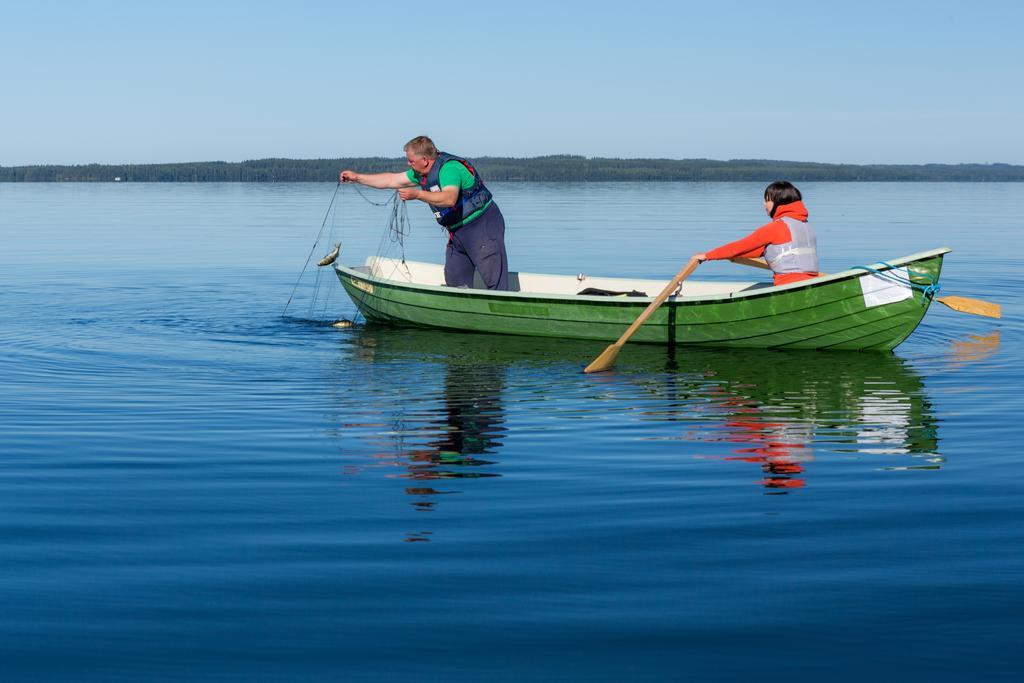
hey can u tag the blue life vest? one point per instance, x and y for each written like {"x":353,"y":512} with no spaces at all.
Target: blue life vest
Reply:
{"x":469,"y":201}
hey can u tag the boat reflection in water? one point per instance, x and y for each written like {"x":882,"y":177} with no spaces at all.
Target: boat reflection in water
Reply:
{"x":441,"y":401}
{"x":783,"y":410}
{"x":470,"y":425}
{"x":432,"y":432}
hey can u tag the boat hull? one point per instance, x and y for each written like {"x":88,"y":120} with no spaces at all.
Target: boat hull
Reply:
{"x":831,"y":312}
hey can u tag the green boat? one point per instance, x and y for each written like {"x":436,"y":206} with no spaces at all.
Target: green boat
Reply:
{"x":871,"y":307}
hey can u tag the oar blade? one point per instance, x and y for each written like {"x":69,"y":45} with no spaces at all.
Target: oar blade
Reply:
{"x":973,"y":306}
{"x":605,"y":361}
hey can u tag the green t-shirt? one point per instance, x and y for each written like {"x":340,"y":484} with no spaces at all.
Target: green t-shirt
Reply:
{"x":453,"y":173}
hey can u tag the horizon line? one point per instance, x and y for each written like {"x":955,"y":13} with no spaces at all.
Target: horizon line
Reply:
{"x":530,"y":158}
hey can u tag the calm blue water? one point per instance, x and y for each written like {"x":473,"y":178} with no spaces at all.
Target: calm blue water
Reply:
{"x":193,"y":486}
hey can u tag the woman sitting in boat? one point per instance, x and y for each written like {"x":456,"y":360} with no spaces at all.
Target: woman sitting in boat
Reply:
{"x":788,"y":244}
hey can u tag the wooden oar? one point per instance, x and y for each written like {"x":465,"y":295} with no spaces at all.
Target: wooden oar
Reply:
{"x":962,"y":304}
{"x":756,"y":262}
{"x":607,"y":358}
{"x":973,"y":306}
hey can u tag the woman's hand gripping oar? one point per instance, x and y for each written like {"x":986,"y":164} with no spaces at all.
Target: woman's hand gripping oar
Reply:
{"x":962,"y":304}
{"x":607,"y":358}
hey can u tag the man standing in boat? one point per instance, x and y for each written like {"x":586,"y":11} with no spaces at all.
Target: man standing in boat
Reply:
{"x":453,"y":189}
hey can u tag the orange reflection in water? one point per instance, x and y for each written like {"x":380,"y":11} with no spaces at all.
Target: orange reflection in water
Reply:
{"x":780,"y":448}
{"x":974,"y":348}
{"x":781,"y":410}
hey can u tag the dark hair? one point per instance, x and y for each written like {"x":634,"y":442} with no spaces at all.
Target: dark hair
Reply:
{"x":781,"y":192}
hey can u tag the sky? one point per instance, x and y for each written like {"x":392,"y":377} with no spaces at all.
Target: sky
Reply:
{"x":852,"y":82}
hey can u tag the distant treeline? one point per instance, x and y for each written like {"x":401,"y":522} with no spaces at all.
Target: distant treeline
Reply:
{"x":560,"y":168}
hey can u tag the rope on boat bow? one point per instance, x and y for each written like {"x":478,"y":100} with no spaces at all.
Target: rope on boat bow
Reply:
{"x":928,"y":291}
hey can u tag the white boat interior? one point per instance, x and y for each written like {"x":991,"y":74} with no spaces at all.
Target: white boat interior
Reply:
{"x":432,"y":274}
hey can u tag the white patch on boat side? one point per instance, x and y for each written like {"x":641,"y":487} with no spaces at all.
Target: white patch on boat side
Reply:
{"x":881,"y":289}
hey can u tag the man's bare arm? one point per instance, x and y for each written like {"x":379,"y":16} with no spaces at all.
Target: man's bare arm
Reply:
{"x":446,"y":197}
{"x":381,"y":181}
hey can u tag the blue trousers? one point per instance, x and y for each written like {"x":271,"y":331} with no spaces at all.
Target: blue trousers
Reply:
{"x":479,"y":246}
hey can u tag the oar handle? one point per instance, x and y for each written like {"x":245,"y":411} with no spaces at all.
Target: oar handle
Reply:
{"x":755,"y":262}
{"x":658,"y":301}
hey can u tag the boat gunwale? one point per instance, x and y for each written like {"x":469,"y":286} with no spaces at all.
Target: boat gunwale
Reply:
{"x":754,"y":293}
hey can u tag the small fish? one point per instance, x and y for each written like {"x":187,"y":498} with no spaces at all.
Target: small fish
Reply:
{"x":330,"y":258}
{"x":342,"y":323}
